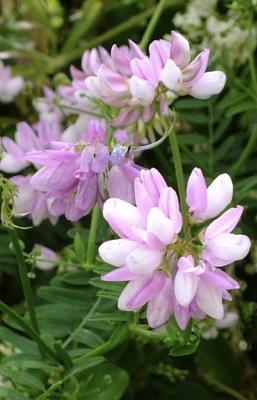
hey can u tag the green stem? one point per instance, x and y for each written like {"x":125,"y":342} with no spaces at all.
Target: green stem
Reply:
{"x":92,"y":236}
{"x":23,"y":272}
{"x":250,"y":145}
{"x":30,"y":332}
{"x":180,"y":178}
{"x":224,"y":388}
{"x":152,"y":24}
{"x":81,"y":325}
{"x":211,"y":133}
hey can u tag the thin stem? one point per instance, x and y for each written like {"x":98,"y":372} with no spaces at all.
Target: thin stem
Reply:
{"x":253,"y":71}
{"x":83,"y":322}
{"x":210,"y":129}
{"x":92,"y":236}
{"x":250,"y":145}
{"x":23,"y":272}
{"x":33,"y":335}
{"x":152,"y":24}
{"x":180,"y":178}
{"x":224,"y":388}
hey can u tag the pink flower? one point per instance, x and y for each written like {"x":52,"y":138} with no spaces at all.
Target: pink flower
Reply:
{"x":26,"y":139}
{"x":46,"y":259}
{"x":31,"y":203}
{"x":205,"y":203}
{"x":9,"y":86}
{"x":168,"y":272}
{"x":145,"y":230}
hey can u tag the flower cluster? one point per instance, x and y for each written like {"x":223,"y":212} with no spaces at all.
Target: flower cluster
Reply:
{"x":138,"y":85}
{"x":174,"y":273}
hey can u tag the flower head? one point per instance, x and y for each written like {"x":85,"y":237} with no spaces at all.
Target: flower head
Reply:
{"x":165,"y":269}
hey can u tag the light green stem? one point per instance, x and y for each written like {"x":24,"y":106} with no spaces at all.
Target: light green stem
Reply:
{"x":152,"y":24}
{"x":92,"y":236}
{"x":250,"y":146}
{"x":83,"y":322}
{"x":180,"y":178}
{"x":23,"y":272}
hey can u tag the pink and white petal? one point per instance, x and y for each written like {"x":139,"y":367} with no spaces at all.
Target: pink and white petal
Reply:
{"x":196,"y":193}
{"x":182,"y":315}
{"x":11,"y":164}
{"x":226,"y":248}
{"x":169,"y":205}
{"x":160,"y":308}
{"x":160,"y":226}
{"x":219,"y":279}
{"x":142,"y":91}
{"x":122,"y":217}
{"x":153,"y":182}
{"x":194,"y":71}
{"x":219,"y":195}
{"x":185,"y":285}
{"x":144,"y":200}
{"x":115,"y":252}
{"x":179,"y":49}
{"x":209,"y":84}
{"x":149,"y":291}
{"x":171,"y":76}
{"x":129,"y":292}
{"x":225,"y":223}
{"x":186,"y":264}
{"x":209,"y":300}
{"x":144,"y":261}
{"x":119,"y":274}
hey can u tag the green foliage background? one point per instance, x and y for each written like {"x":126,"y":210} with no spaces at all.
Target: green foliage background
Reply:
{"x":90,"y":350}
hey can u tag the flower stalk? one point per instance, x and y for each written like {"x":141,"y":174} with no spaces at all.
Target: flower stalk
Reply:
{"x":23,"y":272}
{"x":92,"y":236}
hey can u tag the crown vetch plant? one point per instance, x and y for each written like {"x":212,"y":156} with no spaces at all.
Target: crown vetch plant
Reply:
{"x":166,"y":252}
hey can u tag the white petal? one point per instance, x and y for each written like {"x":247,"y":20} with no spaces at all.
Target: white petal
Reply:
{"x":11,"y":164}
{"x":171,"y":75}
{"x":160,"y":226}
{"x":115,"y":252}
{"x":219,"y":195}
{"x":185,"y":285}
{"x":209,"y":84}
{"x":142,"y":90}
{"x":144,"y":261}
{"x":226,"y":248}
{"x":209,"y":300}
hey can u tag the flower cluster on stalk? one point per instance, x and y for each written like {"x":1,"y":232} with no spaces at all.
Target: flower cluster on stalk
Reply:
{"x":81,"y":152}
{"x":171,"y":272}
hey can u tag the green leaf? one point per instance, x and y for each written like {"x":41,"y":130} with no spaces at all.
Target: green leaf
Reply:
{"x":71,"y":297}
{"x":12,"y":394}
{"x":18,"y":341}
{"x":79,"y":278}
{"x":84,"y":365}
{"x":240,"y":108}
{"x":216,"y":359}
{"x":107,"y":382}
{"x":23,"y":378}
{"x":89,"y":338}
